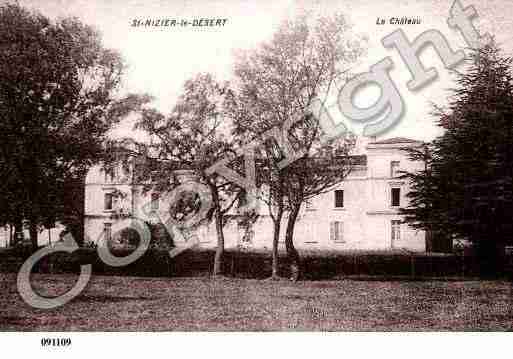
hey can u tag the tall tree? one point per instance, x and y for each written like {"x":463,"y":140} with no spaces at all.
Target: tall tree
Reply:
{"x":193,"y":137}
{"x":57,"y":102}
{"x":278,"y":82}
{"x":466,"y":190}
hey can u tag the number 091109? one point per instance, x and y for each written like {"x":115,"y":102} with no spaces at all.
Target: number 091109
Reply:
{"x":55,"y":342}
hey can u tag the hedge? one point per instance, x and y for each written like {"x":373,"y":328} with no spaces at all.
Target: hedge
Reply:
{"x":248,"y":264}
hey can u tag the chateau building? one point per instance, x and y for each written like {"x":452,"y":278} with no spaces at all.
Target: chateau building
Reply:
{"x":360,"y":213}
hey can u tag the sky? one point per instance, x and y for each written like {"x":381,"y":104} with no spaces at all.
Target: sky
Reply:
{"x":160,"y":59}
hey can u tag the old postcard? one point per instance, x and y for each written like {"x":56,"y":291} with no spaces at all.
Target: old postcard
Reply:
{"x":235,"y":166}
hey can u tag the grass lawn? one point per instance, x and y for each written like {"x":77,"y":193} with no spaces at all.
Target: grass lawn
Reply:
{"x":166,"y":304}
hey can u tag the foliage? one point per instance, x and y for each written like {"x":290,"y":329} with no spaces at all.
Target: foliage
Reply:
{"x":57,"y":102}
{"x":183,"y":145}
{"x":466,"y":188}
{"x":277,"y":83}
{"x":129,"y":237}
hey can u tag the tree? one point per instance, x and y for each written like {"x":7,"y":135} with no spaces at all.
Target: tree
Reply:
{"x":465,"y":190}
{"x":193,"y":137}
{"x":58,"y":99}
{"x":278,"y":83}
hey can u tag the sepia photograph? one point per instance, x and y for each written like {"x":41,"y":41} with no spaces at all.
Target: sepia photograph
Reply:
{"x":276,"y":166}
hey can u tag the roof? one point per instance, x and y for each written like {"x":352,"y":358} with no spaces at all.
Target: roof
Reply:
{"x":355,"y":160}
{"x":394,"y":140}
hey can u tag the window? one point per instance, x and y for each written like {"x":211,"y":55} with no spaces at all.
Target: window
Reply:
{"x":108,"y":202}
{"x":394,"y":168}
{"x":110,"y":173}
{"x":339,"y":198}
{"x":396,"y":197}
{"x":309,"y":205}
{"x":396,"y":231}
{"x":107,"y":231}
{"x":337,"y":231}
{"x":155,"y":201}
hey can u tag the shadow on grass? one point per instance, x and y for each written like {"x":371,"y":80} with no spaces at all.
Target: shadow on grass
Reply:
{"x":17,"y":320}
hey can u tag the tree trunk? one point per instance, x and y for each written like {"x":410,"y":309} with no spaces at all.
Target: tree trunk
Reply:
{"x":292,"y":254}
{"x":218,"y":218}
{"x":277,"y":195}
{"x":276,"y":239}
{"x":429,"y":240}
{"x":218,"y":260}
{"x":18,"y":232}
{"x":33,"y":234}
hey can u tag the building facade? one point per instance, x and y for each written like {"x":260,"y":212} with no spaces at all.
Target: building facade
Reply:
{"x":361,"y":213}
